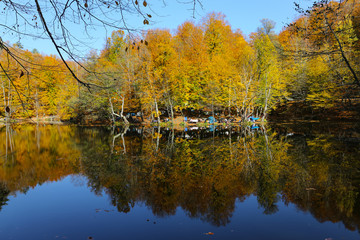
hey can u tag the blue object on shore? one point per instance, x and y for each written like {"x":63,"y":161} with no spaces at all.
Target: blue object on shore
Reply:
{"x":253,"y":119}
{"x":211,"y":119}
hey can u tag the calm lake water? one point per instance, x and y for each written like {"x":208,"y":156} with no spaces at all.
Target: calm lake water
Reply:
{"x":284,"y":182}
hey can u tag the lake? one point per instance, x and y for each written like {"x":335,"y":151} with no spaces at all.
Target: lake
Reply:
{"x":282,"y":181}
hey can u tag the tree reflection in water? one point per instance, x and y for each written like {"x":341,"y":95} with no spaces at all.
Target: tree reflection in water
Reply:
{"x":204,"y":172}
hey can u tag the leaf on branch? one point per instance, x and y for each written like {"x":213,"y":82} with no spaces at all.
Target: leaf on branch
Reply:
{"x":136,"y":2}
{"x":146,"y":22}
{"x":21,"y":74}
{"x":145,"y":3}
{"x":149,"y":15}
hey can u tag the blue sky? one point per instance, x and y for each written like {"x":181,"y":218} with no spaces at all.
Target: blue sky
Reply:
{"x":241,"y":14}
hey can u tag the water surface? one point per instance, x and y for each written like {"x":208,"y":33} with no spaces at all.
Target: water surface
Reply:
{"x":283,"y":182}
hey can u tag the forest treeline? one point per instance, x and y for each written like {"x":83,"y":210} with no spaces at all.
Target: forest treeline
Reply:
{"x":206,"y":65}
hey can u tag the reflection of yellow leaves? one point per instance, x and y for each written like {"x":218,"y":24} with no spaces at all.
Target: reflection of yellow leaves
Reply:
{"x":209,"y":233}
{"x":46,"y":157}
{"x":321,"y":172}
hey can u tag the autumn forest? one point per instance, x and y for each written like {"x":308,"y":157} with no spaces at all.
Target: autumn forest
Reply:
{"x":201,"y":131}
{"x":203,"y":65}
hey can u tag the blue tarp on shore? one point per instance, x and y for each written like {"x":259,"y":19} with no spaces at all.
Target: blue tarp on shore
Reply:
{"x":211,"y":119}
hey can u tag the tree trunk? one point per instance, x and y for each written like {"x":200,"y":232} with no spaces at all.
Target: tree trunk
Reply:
{"x":157,"y":112}
{"x":122,"y":110}
{"x":37,"y":104}
{"x":342,"y":51}
{"x":112,"y":111}
{"x":212,"y":109}
{"x":141,"y":111}
{"x":113,"y":114}
{"x":267,"y":98}
{"x":8,"y":113}
{"x":4,"y":99}
{"x":244,"y":105}
{"x":230,"y":98}
{"x":171,"y":111}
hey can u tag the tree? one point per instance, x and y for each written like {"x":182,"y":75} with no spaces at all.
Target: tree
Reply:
{"x":267,"y":27}
{"x":218,"y":37}
{"x":328,"y":32}
{"x":270,"y":83}
{"x":192,"y":60}
{"x":159,"y":67}
{"x":244,"y":62}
